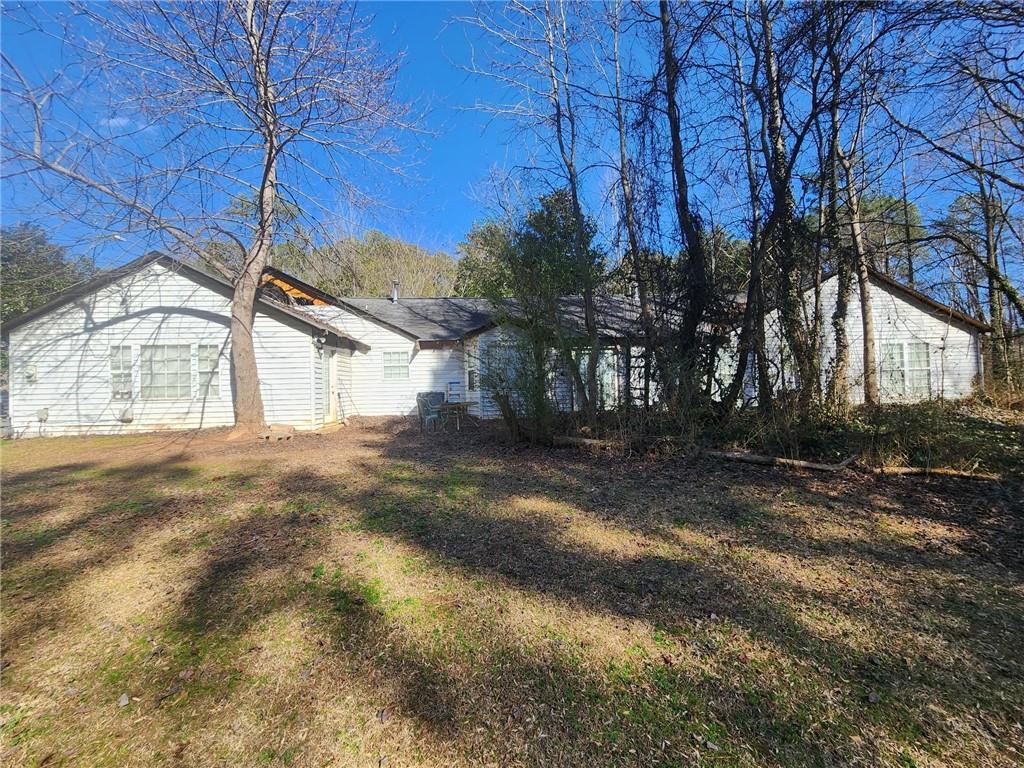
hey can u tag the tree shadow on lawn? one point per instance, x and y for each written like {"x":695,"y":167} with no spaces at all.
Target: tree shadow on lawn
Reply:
{"x":104,"y":513}
{"x":505,"y":698}
{"x":128,"y":491}
{"x":498,"y":696}
{"x":989,"y":516}
{"x":974,"y":599}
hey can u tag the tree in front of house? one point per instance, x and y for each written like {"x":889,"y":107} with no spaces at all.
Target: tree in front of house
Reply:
{"x":499,"y":259}
{"x":484,"y":267}
{"x":977,"y":239}
{"x":165,"y":114}
{"x":526,"y":266}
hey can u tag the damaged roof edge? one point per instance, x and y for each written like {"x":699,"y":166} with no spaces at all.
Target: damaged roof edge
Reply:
{"x":112,"y":276}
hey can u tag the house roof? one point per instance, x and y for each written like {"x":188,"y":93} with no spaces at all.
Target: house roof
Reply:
{"x":455,"y":318}
{"x":448,"y":319}
{"x":109,"y":277}
{"x":426,"y":319}
{"x":617,"y":316}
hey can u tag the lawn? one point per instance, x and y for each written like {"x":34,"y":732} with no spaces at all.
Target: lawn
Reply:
{"x":373,"y":597}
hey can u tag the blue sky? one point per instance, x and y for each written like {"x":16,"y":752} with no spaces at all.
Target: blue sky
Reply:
{"x":440,"y":206}
{"x":434,"y":204}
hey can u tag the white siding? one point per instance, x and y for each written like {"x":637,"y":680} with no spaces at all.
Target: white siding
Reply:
{"x":365,"y":391}
{"x":561,"y":383}
{"x":952,"y":346}
{"x":67,"y":353}
{"x":485,"y":407}
{"x":318,"y":405}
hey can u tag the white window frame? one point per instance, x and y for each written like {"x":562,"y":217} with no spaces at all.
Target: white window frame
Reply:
{"x":151,"y":354}
{"x":396,"y":366}
{"x":119,"y":369}
{"x":912,"y":388}
{"x":906,"y":370}
{"x":208,"y":378}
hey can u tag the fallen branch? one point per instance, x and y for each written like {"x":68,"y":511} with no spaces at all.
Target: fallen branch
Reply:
{"x":775,"y":461}
{"x":586,"y":442}
{"x":940,"y":471}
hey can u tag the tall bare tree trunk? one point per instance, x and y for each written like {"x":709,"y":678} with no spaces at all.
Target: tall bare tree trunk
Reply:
{"x":565,"y":125}
{"x":871,"y":396}
{"x":635,"y":256}
{"x":908,"y":246}
{"x":781,"y":223}
{"x":1000,"y":368}
{"x":695,"y":271}
{"x":751,"y":339}
{"x":838,"y":386}
{"x":248,"y":400}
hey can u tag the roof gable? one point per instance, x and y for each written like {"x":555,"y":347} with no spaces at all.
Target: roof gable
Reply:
{"x":914,"y":296}
{"x":201,"y":277}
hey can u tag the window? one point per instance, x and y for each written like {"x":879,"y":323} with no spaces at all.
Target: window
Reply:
{"x":121,"y":372}
{"x":919,"y":371}
{"x":396,"y":365}
{"x":893,"y":383}
{"x":906,"y":371}
{"x":209,"y":375}
{"x":472,"y":380}
{"x":166,"y":372}
{"x":607,"y":378}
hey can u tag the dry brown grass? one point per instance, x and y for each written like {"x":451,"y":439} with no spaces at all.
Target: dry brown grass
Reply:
{"x":374,"y":597}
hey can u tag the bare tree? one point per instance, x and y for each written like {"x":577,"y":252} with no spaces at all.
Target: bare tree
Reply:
{"x":636,"y":254}
{"x":533,"y":53}
{"x":782,"y":137}
{"x":695,"y":266}
{"x":212,"y":102}
{"x":751,"y":340}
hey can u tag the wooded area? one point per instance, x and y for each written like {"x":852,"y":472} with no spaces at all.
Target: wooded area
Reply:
{"x":739,"y":154}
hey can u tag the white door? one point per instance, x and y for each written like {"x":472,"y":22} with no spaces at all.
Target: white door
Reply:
{"x":330,"y":387}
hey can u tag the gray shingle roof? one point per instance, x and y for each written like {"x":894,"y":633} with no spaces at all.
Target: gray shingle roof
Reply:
{"x":454,"y":318}
{"x":440,"y":319}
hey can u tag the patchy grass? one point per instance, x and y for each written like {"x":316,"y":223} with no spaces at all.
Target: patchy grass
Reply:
{"x":443,"y":601}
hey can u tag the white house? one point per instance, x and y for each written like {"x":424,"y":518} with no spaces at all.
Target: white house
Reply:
{"x":441,"y":345}
{"x":924,"y":349}
{"x":146,"y":347}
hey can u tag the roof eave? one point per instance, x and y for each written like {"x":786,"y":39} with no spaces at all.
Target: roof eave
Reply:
{"x":437,"y":343}
{"x":198,"y":275}
{"x":928,"y":301}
